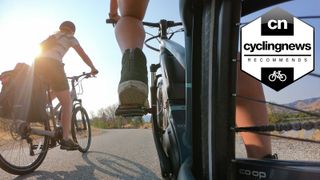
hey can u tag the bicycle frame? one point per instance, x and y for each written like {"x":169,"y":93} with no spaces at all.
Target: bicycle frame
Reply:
{"x":54,"y":112}
{"x":175,"y":148}
{"x":74,"y":98}
{"x":51,"y":133}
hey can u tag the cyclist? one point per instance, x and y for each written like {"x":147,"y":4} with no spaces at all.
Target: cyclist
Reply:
{"x":133,"y":84}
{"x":50,"y":66}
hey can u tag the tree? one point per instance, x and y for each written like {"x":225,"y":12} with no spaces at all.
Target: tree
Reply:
{"x":106,"y":118}
{"x":110,"y":111}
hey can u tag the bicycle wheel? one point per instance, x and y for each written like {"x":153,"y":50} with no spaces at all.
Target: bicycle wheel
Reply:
{"x":20,"y":152}
{"x":81,"y":129}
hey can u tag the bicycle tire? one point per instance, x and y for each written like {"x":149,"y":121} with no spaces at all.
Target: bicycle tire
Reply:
{"x":81,"y":129}
{"x":218,"y":86}
{"x":19,"y":168}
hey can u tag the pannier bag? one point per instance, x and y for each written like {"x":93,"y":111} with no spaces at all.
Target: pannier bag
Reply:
{"x":23,"y":95}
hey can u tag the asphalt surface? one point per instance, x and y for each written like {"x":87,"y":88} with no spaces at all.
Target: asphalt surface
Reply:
{"x":130,"y":154}
{"x":114,"y":154}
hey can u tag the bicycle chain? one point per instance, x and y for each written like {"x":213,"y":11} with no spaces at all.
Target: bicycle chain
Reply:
{"x":296,"y":126}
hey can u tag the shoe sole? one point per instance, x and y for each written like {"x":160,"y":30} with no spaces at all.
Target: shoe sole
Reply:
{"x":130,"y":111}
{"x":132,"y":93}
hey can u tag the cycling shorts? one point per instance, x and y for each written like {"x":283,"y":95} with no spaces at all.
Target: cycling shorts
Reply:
{"x":53,"y":72}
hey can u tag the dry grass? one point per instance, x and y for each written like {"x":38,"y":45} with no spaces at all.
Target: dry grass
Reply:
{"x":96,"y":131}
{"x":4,"y":129}
{"x":146,"y":126}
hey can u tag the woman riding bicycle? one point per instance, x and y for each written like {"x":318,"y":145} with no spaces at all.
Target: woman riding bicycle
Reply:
{"x":49,"y":65}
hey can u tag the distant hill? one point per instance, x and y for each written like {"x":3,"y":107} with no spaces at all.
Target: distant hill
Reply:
{"x":310,"y":104}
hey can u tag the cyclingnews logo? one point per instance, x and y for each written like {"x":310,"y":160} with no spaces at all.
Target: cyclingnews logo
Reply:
{"x":277,"y":49}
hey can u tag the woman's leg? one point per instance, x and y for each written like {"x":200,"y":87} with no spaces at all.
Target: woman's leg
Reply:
{"x":66,"y":110}
{"x":129,"y":29}
{"x":250,"y":113}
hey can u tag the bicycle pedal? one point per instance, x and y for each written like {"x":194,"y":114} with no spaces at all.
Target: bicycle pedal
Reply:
{"x":131,"y":111}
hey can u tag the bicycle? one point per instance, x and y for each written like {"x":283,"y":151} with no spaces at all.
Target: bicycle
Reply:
{"x":81,"y":129}
{"x":24,"y":143}
{"x":193,"y":98}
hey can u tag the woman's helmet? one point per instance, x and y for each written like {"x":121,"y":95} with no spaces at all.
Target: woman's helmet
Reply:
{"x":67,"y":25}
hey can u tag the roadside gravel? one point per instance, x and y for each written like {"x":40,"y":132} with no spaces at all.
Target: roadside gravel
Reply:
{"x":286,"y":149}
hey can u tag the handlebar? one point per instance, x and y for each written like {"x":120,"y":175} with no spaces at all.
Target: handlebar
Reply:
{"x":163,"y":26}
{"x":158,"y":25}
{"x":84,"y":74}
{"x":76,"y":82}
{"x":150,"y":24}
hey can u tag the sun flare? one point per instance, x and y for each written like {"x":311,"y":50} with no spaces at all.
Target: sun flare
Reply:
{"x":20,"y":41}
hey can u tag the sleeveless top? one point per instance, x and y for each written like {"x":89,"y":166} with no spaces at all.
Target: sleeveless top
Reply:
{"x":64,"y":42}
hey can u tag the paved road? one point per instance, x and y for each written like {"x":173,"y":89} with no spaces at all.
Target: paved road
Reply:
{"x":115,"y":154}
{"x":130,"y":154}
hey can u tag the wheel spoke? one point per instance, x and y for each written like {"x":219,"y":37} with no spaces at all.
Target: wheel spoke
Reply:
{"x":303,"y":123}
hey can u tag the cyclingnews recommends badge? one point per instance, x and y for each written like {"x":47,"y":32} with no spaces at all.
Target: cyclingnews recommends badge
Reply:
{"x":277,"y":49}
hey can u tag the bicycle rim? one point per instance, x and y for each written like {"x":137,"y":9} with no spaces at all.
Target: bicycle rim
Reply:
{"x":15,"y":151}
{"x":81,"y":129}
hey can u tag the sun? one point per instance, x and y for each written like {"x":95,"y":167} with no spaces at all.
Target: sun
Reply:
{"x":20,"y":41}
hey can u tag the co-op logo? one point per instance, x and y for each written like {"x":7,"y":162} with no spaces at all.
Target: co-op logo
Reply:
{"x":254,"y":173}
{"x":277,"y":49}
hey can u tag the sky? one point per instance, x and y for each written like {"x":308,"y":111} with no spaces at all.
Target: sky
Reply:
{"x":24,"y":24}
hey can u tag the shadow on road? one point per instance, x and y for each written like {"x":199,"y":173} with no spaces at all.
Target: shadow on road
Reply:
{"x":82,"y":172}
{"x":111,"y":166}
{"x":118,"y":167}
